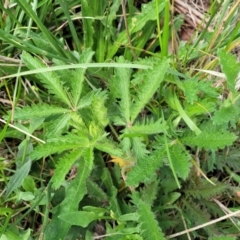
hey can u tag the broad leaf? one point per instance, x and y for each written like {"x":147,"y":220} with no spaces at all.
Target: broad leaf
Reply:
{"x":17,"y":178}
{"x":80,"y":218}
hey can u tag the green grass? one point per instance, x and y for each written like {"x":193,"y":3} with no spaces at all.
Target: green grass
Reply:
{"x":106,"y":131}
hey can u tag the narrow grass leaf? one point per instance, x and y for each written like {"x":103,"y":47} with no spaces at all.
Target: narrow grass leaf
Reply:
{"x":136,"y":24}
{"x":16,"y":179}
{"x":88,"y":34}
{"x":73,"y":66}
{"x":64,"y":6}
{"x":27,"y":8}
{"x":184,"y":116}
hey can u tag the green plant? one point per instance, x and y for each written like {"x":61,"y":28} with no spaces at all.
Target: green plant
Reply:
{"x":138,"y":150}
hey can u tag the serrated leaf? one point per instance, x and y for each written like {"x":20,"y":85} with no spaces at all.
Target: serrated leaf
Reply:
{"x":139,"y":147}
{"x":109,"y":146}
{"x":152,"y":79}
{"x":56,"y":126}
{"x":191,"y":90}
{"x":193,"y":86}
{"x":206,"y":190}
{"x":147,"y":128}
{"x":78,"y":77}
{"x":145,"y":168}
{"x":225,"y":114}
{"x":204,"y":106}
{"x":180,"y":161}
{"x":210,"y":139}
{"x":99,"y":110}
{"x":57,"y":228}
{"x":149,"y":226}
{"x":120,"y":85}
{"x":86,"y":100}
{"x":95,"y":191}
{"x":61,"y":144}
{"x":150,"y":192}
{"x":230,"y":68}
{"x":63,"y":166}
{"x":38,"y":111}
{"x":50,"y":79}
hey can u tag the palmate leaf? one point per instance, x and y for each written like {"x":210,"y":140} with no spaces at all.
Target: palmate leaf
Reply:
{"x":60,"y":144}
{"x":50,"y":79}
{"x":230,"y":68}
{"x":152,"y":79}
{"x":74,"y":192}
{"x":38,"y":111}
{"x":63,"y":166}
{"x":180,"y":161}
{"x":211,"y":138}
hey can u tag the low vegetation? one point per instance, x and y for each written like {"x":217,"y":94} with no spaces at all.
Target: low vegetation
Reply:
{"x":119,"y":120}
